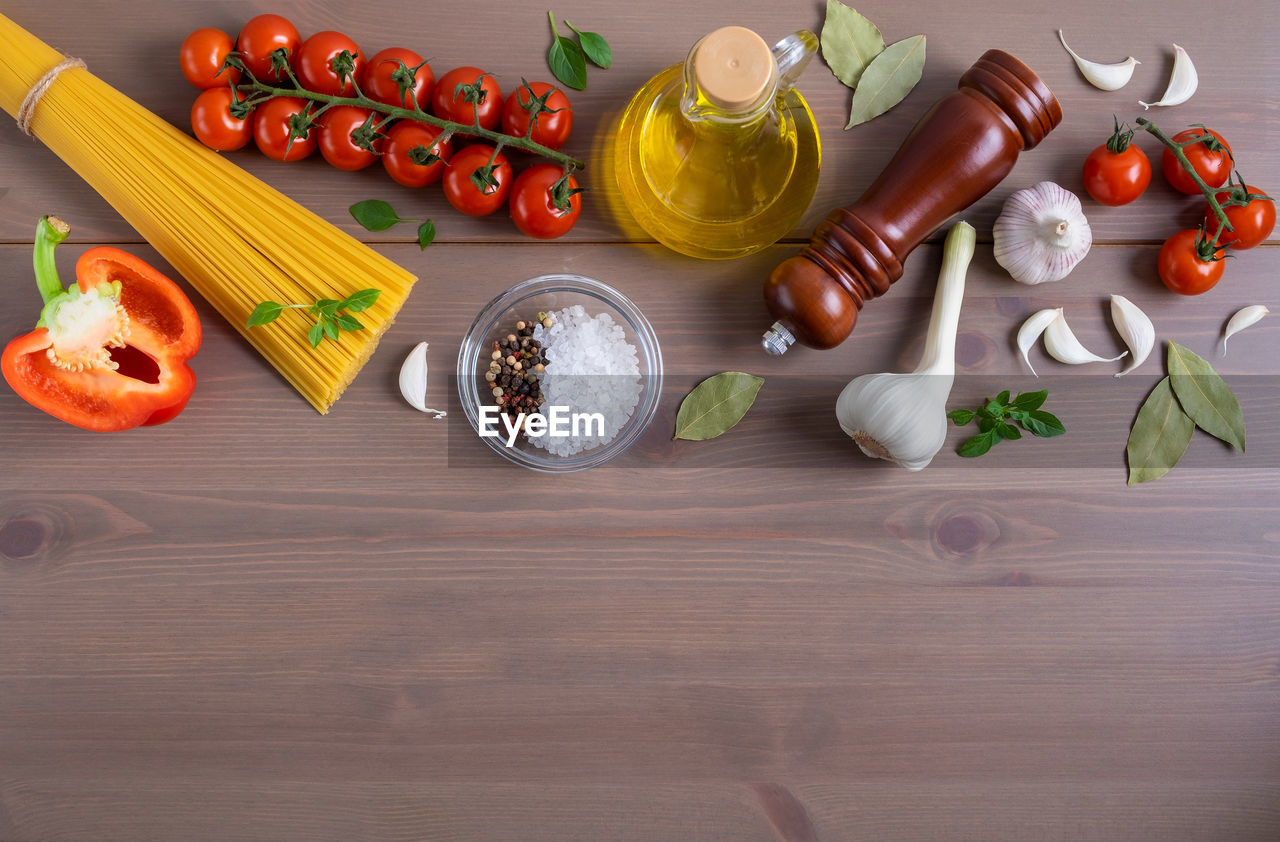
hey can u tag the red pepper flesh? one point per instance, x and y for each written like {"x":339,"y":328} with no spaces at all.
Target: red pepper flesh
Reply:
{"x":150,"y":382}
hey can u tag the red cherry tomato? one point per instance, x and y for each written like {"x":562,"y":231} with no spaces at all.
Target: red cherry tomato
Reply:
{"x":552,"y":126}
{"x":448,"y":103}
{"x":321,"y":61}
{"x":260,"y":38}
{"x":466,"y":195}
{"x":1116,"y":178}
{"x":201,"y":57}
{"x":533,"y":202}
{"x":398,"y":154}
{"x":271,"y":128}
{"x":337,"y":138}
{"x":213,"y":125}
{"x":1213,"y":165}
{"x":378,"y":82}
{"x":1250,"y":224}
{"x":1181,"y":267}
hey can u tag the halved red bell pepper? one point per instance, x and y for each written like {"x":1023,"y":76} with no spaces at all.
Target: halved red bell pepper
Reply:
{"x":110,"y":352}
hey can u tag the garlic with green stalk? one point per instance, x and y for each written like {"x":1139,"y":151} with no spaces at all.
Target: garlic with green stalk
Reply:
{"x":1041,"y":234}
{"x":903,"y":417}
{"x":1107,"y":77}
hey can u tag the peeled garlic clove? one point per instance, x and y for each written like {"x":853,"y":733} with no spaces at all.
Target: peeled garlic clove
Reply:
{"x":1031,"y":330}
{"x":1241,"y":320}
{"x":1041,"y":234}
{"x":1182,"y":83}
{"x":1063,"y":346}
{"x":1134,"y":328}
{"x":413,"y":380}
{"x":1108,"y":77}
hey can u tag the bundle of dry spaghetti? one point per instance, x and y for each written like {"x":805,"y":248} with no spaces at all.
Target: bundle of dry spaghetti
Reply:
{"x":237,"y":241}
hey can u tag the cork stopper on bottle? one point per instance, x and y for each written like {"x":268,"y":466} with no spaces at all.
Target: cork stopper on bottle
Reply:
{"x":734,"y":68}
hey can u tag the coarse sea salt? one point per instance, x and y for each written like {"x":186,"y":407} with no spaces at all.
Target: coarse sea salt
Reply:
{"x":591,"y":368}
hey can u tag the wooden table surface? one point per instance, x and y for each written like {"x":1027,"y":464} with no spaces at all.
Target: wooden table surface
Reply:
{"x":259,"y":623}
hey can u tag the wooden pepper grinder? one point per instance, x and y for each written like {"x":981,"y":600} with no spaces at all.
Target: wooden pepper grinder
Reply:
{"x":962,"y":148}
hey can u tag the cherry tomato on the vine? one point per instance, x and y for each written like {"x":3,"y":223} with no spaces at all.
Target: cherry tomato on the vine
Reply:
{"x":272,"y":123}
{"x":398,"y":156}
{"x":1250,"y":224}
{"x":554,"y":121}
{"x":467,"y":196}
{"x":1117,"y":178}
{"x":329,"y":63}
{"x":201,"y":57}
{"x":260,"y":38}
{"x":213,"y":125}
{"x":340,"y":128}
{"x":380,"y":79}
{"x":482,"y":103}
{"x":1212,"y":165}
{"x":1182,"y":268}
{"x":533,"y":202}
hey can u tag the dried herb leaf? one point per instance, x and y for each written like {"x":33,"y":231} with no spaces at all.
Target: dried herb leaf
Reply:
{"x":1160,"y":435}
{"x":849,"y":42}
{"x":715,"y":405}
{"x":1205,"y":396}
{"x":888,"y":79}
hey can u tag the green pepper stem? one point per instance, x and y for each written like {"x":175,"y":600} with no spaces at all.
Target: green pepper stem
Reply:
{"x":50,"y":231}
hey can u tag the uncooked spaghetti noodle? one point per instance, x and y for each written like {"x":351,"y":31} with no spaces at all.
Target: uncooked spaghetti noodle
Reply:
{"x":180,"y":195}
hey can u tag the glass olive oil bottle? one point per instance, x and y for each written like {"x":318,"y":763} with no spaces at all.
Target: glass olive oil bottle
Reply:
{"x":719,"y":157}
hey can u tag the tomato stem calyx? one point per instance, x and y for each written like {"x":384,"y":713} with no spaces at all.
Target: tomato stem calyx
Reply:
{"x":1120,"y":138}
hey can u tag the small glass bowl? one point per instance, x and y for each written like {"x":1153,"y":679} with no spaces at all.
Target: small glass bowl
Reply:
{"x":549,"y":293}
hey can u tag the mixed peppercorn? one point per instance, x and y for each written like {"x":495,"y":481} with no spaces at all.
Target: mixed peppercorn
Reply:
{"x":513,"y":371}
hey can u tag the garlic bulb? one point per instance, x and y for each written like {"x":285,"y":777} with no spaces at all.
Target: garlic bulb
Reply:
{"x":1063,"y":346}
{"x":1182,"y":82}
{"x":1241,"y":320}
{"x":903,"y":417}
{"x":1041,"y":234}
{"x":413,"y":380}
{"x":1107,"y":77}
{"x":1135,"y":329}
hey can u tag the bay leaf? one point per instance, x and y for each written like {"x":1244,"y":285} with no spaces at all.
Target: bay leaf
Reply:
{"x":849,"y":42}
{"x":1160,"y":435}
{"x":887,"y":80}
{"x":715,"y":405}
{"x":1205,"y":396}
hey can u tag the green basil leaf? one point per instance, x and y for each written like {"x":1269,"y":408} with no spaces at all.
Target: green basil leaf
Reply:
{"x":1003,"y":398}
{"x":849,"y":42}
{"x":1028,"y":401}
{"x":426,"y":234}
{"x":594,"y":46}
{"x":1041,"y":423}
{"x":315,"y":335}
{"x":961,"y":416}
{"x":330,"y":328}
{"x":325,"y":306}
{"x":1159,"y":437}
{"x":978,"y":445}
{"x":361,"y":300}
{"x":346,"y":322}
{"x":264,"y":313}
{"x":566,"y":59}
{"x":1205,"y":396}
{"x":1008,"y":431}
{"x":375,"y":214}
{"x":986,"y":423}
{"x":715,"y":405}
{"x":888,"y":79}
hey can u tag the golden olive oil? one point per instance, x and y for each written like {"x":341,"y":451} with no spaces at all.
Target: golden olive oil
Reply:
{"x":715,"y":189}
